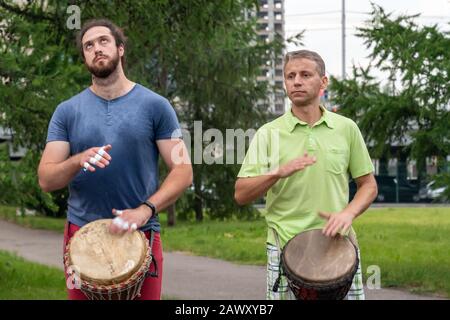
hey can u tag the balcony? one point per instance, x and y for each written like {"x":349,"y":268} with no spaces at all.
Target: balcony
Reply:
{"x":16,"y":153}
{"x":5,"y":134}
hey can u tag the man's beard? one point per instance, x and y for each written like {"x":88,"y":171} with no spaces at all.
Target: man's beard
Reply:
{"x":104,"y":71}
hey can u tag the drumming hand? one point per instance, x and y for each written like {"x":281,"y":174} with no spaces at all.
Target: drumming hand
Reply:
{"x":97,"y":156}
{"x":295,"y":165}
{"x":341,"y":221}
{"x":129,"y":220}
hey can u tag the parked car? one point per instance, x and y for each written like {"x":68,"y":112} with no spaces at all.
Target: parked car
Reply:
{"x":431,"y":192}
{"x":387,"y":190}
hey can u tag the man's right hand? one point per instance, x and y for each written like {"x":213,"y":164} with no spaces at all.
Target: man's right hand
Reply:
{"x":96,"y":156}
{"x":295,"y":165}
{"x":251,"y":188}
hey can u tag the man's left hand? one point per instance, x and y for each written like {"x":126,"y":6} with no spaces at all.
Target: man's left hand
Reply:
{"x":130,"y":219}
{"x":341,"y":221}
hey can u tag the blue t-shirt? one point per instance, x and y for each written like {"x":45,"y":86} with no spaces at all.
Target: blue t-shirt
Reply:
{"x":132,"y":124}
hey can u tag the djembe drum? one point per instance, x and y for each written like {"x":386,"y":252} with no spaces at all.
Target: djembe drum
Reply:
{"x":318,"y":267}
{"x":110,"y":266}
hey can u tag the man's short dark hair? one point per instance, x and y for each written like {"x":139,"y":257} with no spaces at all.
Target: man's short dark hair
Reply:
{"x":116,"y":32}
{"x":306,"y":54}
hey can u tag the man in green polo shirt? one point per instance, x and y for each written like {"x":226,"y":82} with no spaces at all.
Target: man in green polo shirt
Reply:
{"x":302,"y":161}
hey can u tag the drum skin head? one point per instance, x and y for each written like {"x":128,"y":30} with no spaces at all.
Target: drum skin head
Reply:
{"x":315,"y":257}
{"x":104,"y":258}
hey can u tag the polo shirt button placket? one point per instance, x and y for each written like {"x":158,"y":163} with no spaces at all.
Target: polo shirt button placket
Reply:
{"x":312,"y":146}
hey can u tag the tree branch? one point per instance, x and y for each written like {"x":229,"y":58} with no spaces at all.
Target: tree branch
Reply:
{"x":25,"y":13}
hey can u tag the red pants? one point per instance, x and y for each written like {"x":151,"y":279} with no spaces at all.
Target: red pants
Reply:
{"x":151,"y":289}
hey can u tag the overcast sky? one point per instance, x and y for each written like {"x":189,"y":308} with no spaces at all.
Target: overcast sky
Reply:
{"x":322,"y":21}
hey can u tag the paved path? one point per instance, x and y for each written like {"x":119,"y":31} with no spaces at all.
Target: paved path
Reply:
{"x":185,"y":276}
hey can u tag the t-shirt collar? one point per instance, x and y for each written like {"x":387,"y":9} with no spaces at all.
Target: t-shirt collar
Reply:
{"x":292,"y":120}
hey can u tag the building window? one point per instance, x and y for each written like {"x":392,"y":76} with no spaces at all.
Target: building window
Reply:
{"x":279,"y":96}
{"x":263,"y":26}
{"x":263,"y":15}
{"x":278,"y":27}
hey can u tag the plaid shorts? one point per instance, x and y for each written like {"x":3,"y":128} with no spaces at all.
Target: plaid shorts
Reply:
{"x":356,"y":291}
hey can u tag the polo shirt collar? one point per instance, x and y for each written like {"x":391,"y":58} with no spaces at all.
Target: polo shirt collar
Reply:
{"x":292,"y":121}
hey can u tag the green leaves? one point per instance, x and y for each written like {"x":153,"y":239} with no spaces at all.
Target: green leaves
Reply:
{"x":204,"y":56}
{"x":413,"y":106}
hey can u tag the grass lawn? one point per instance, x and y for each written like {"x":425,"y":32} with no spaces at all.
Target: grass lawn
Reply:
{"x":409,"y":245}
{"x":35,"y":222}
{"x":237,"y":241}
{"x":23,"y":280}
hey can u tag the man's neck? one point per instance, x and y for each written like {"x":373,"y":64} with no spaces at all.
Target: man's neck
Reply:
{"x":309,"y":113}
{"x":114,"y":86}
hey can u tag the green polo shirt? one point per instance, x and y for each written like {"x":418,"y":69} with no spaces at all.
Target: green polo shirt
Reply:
{"x":292,"y":204}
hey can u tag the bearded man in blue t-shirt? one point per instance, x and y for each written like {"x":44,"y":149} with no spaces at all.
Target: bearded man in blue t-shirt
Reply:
{"x":104,"y":144}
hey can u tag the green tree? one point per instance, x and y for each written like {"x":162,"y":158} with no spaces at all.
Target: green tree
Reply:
{"x":37,"y":71}
{"x":413,"y":108}
{"x":204,"y":56}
